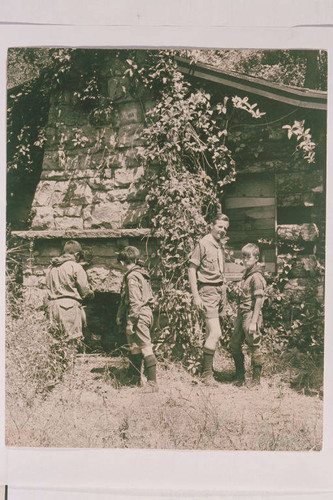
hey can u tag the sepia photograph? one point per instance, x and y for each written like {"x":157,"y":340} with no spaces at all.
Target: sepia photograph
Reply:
{"x":165,"y":258}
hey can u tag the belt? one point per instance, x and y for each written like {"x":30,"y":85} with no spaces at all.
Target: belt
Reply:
{"x":220,"y":283}
{"x":66,"y":297}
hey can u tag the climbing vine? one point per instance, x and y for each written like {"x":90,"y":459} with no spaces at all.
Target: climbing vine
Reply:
{"x":188,"y":152}
{"x":187,"y":163}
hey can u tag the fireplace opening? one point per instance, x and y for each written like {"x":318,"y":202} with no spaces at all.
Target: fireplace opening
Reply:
{"x":102,"y":330}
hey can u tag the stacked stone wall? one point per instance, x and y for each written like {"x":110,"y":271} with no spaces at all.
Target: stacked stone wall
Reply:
{"x":90,"y":172}
{"x":103,"y":270}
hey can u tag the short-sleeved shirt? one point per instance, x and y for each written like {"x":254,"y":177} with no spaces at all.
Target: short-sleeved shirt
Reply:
{"x":208,"y":256}
{"x":252,"y":286}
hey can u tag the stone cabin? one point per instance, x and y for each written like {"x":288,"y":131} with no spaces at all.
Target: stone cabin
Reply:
{"x":89,"y":190}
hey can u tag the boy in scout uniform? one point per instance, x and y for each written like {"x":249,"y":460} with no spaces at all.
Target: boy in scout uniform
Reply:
{"x":135,"y":313}
{"x":67,"y":285}
{"x":206,"y":277}
{"x":249,"y":317}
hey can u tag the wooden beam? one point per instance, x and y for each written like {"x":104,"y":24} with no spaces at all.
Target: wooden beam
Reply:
{"x":241,"y":202}
{"x":242,"y":213}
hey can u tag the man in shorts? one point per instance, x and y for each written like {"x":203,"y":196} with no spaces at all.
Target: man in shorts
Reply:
{"x":206,"y":277}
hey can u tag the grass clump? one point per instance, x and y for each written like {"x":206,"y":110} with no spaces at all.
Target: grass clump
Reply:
{"x":35,"y":360}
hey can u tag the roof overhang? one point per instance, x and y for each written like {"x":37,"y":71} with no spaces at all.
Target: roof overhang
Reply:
{"x":294,"y":96}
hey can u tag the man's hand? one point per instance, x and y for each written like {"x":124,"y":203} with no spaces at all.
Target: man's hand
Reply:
{"x":129,"y":330}
{"x":198,"y":302}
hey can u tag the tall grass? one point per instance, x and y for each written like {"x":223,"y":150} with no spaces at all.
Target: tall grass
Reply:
{"x":35,"y":359}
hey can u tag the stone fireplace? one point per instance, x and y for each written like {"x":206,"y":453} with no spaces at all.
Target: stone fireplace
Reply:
{"x":90,"y":190}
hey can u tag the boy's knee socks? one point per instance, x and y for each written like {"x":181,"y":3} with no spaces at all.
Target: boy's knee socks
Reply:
{"x":207,"y":365}
{"x":150,"y":367}
{"x":239,"y":364}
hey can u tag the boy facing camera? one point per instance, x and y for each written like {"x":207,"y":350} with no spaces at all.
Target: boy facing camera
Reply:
{"x":249,"y":315}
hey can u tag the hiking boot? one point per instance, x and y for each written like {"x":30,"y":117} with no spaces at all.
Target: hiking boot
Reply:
{"x":239,"y":381}
{"x":256,"y":375}
{"x":240,"y":369}
{"x":151,"y":387}
{"x":209,"y":380}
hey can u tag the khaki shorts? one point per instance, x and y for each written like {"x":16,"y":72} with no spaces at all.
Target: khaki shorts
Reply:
{"x":141,"y":330}
{"x":214,"y":299}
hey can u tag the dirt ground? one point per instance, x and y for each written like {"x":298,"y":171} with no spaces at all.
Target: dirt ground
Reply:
{"x":95,"y":407}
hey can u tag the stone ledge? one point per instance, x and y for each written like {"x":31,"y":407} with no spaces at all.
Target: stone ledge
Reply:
{"x":83,"y":234}
{"x":295,"y":232}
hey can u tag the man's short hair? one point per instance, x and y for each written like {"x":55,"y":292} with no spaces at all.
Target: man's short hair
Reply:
{"x":251,"y":249}
{"x":129,"y":255}
{"x":219,"y":217}
{"x":72,"y":247}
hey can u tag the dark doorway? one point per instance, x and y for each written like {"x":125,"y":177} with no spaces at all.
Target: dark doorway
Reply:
{"x":102,"y":330}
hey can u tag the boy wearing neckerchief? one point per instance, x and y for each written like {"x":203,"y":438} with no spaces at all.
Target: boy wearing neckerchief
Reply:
{"x":135,"y":313}
{"x":249,"y":316}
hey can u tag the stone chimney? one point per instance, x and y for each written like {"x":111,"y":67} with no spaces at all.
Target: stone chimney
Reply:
{"x":89,"y":187}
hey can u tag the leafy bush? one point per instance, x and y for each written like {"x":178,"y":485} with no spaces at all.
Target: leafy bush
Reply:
{"x":35,"y":358}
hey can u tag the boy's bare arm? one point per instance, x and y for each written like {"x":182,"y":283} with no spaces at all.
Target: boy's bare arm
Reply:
{"x":255,"y":316}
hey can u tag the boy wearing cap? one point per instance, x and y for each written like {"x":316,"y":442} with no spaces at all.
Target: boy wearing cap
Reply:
{"x":67,"y":285}
{"x":206,"y":277}
{"x":135,"y":313}
{"x":249,"y":316}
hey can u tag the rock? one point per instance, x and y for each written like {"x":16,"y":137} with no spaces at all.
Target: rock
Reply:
{"x":74,"y":211}
{"x":309,"y":232}
{"x":55,"y":175}
{"x":135,"y":214}
{"x":79,"y":193}
{"x":305,"y":266}
{"x":294,"y":232}
{"x":68,"y":223}
{"x":288,"y":232}
{"x":43,"y":194}
{"x":60,"y":193}
{"x":43,"y":218}
{"x":119,"y":195}
{"x":103,"y":279}
{"x":107,"y":215}
{"x":101,"y":197}
{"x":123,"y":177}
{"x":99,"y":184}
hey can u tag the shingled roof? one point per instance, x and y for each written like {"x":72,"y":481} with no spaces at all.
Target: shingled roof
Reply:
{"x":295,"y":96}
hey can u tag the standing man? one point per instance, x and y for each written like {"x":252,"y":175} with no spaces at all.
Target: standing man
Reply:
{"x":67,"y":285}
{"x":206,"y":277}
